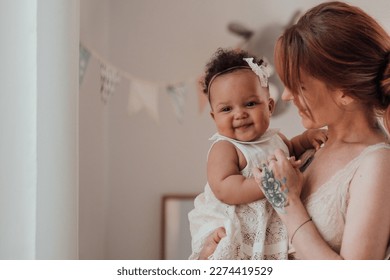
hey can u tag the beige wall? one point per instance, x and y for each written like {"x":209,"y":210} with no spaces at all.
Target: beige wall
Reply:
{"x":128,"y":162}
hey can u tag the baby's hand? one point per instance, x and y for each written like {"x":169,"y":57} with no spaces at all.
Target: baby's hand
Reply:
{"x":316,"y":137}
{"x":295,"y":163}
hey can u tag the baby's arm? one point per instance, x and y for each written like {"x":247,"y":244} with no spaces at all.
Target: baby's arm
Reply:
{"x":225,"y":179}
{"x":311,"y":138}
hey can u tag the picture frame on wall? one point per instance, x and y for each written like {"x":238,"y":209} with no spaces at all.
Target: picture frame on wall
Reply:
{"x":175,"y":227}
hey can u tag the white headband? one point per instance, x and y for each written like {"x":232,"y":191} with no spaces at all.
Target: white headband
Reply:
{"x":261,"y":71}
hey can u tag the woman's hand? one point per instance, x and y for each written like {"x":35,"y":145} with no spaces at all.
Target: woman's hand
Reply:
{"x":280,"y":180}
{"x":211,"y":243}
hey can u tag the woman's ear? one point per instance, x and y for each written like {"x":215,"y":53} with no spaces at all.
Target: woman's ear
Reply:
{"x":344,"y":99}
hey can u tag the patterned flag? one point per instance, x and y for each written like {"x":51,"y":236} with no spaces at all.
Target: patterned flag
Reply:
{"x":109,"y":77}
{"x":83,"y":62}
{"x":178,"y":95}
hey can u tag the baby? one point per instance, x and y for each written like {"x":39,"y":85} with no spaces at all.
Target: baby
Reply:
{"x":237,"y":88}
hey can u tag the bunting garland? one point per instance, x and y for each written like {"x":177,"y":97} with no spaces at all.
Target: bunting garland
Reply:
{"x":142,"y":95}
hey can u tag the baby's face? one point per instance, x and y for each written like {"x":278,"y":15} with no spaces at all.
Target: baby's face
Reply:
{"x":240,"y":107}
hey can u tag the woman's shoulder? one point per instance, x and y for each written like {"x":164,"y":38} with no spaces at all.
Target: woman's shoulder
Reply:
{"x":379,"y":153}
{"x":375,"y":154}
{"x":373,"y":166}
{"x":373,"y":157}
{"x":367,"y":153}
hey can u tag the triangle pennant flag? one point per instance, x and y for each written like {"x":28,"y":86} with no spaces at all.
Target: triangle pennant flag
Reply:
{"x":135,"y":103}
{"x":178,"y":95}
{"x":109,"y":77}
{"x":83,"y":62}
{"x":143,"y":95}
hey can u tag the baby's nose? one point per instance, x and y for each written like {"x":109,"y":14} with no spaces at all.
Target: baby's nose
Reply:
{"x":240,"y":113}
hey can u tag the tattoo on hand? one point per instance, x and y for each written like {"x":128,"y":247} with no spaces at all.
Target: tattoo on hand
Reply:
{"x":272,"y":188}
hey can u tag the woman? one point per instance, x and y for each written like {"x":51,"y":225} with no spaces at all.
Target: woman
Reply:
{"x":335,"y":66}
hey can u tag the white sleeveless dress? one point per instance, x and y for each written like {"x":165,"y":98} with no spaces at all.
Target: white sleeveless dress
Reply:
{"x":328,"y":205}
{"x":254,"y":230}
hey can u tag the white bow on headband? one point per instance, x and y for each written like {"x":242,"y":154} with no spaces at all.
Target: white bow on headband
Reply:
{"x":260,"y":70}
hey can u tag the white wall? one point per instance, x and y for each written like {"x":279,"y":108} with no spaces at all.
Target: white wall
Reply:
{"x":18,"y":129}
{"x":128,"y":162}
{"x":39,"y":129}
{"x":57,"y":129}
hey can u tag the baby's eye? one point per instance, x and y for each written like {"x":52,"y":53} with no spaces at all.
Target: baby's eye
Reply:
{"x":226,"y":109}
{"x":251,"y":104}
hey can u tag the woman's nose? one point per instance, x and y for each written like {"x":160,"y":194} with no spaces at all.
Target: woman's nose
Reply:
{"x":287,"y":95}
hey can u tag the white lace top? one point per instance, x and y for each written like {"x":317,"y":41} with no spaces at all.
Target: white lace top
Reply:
{"x":328,"y":205}
{"x":254,"y":230}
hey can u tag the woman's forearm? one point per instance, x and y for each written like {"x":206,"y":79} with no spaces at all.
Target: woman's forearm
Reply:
{"x":283,"y":193}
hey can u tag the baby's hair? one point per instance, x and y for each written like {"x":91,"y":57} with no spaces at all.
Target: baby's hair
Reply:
{"x":225,"y":61}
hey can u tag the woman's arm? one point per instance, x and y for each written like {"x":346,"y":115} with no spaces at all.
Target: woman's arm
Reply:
{"x":367,"y":227}
{"x":225,"y":179}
